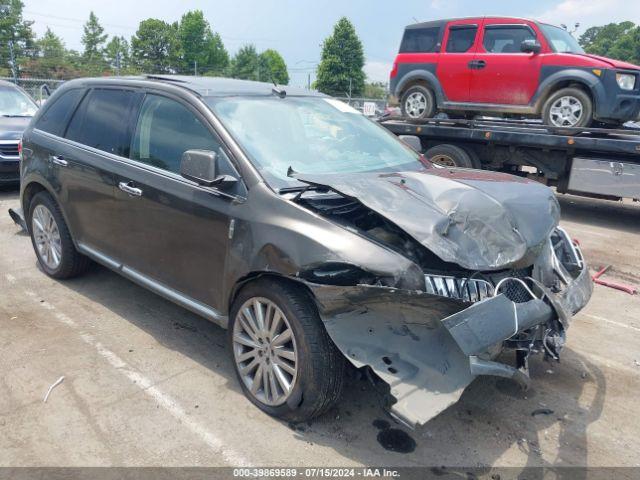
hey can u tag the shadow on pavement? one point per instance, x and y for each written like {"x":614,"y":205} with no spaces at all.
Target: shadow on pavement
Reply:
{"x":492,"y":417}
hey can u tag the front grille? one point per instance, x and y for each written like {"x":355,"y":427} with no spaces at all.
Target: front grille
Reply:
{"x":466,"y":289}
{"x":9,"y":150}
{"x":477,"y":289}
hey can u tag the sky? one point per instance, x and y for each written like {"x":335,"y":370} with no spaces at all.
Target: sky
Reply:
{"x":297,"y":28}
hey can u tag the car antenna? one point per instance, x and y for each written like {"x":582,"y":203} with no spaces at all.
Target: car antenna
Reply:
{"x":291,"y":172}
{"x":277,"y":90}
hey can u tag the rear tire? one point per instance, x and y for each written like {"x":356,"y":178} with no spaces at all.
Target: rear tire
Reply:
{"x":568,"y":107}
{"x":451,"y":156}
{"x":319,"y":366}
{"x":56,"y":253}
{"x":417,"y":103}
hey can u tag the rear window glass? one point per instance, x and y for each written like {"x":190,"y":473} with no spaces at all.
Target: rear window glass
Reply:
{"x":505,"y":39}
{"x":54,"y":119}
{"x":101,"y":121}
{"x":461,"y":39}
{"x":423,"y":40}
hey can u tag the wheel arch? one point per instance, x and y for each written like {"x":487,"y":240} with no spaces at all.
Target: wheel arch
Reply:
{"x":30,"y":190}
{"x":421,"y":77}
{"x":253,"y":276}
{"x":586,"y":81}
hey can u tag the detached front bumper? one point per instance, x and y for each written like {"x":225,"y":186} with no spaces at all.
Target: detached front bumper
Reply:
{"x":428,"y":348}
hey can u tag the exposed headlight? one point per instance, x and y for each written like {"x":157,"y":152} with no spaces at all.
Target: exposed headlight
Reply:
{"x":626,"y":81}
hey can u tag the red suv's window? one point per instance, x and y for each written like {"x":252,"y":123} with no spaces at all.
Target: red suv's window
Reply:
{"x":506,"y":38}
{"x":461,"y":38}
{"x":420,"y":40}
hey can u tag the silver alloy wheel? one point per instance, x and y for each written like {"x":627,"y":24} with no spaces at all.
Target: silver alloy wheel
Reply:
{"x":46,"y":236}
{"x":415,"y":104}
{"x":264,"y":350}
{"x":566,"y":111}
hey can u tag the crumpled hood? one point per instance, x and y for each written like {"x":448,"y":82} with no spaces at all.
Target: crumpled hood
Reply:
{"x":479,"y":220}
{"x":11,"y":128}
{"x":614,"y":63}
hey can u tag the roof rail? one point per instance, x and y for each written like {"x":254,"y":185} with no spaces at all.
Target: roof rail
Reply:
{"x":166,"y":78}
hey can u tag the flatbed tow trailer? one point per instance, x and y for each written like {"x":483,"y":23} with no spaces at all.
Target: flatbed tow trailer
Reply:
{"x":594,"y":162}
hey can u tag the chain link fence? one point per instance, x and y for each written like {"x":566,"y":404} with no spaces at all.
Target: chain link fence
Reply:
{"x":38,"y":88}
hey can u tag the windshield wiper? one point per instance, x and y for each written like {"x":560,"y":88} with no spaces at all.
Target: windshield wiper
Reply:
{"x":15,"y":116}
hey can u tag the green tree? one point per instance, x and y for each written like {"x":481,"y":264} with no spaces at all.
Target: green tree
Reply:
{"x":616,"y":40}
{"x":340,"y":69}
{"x":375,"y":90}
{"x":93,"y":40}
{"x":117,"y":54}
{"x":217,"y":56}
{"x":272,"y":68}
{"x":154,"y":46}
{"x":16,"y":36}
{"x":245,"y":63}
{"x":199,"y":45}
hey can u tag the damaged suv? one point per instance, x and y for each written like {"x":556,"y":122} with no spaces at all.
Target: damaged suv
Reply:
{"x":308,"y":231}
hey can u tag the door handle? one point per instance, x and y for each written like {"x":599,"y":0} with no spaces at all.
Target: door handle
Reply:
{"x":128,"y":188}
{"x":477,"y":64}
{"x":59,"y":160}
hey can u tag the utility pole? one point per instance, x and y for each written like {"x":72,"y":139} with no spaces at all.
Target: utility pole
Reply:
{"x":308,"y":81}
{"x":13,"y":63}
{"x":118,"y":63}
{"x":195,"y":68}
{"x":349,"y":88}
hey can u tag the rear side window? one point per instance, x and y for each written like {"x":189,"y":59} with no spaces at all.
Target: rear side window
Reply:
{"x":461,"y":38}
{"x":166,"y":129}
{"x":54,"y":119}
{"x":420,"y":40}
{"x":506,"y":38}
{"x":102,"y":121}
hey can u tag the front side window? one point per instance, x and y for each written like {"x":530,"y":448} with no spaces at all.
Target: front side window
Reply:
{"x":101,"y":120}
{"x":15,"y":103}
{"x":420,"y":40}
{"x":165,"y":130}
{"x":57,"y":111}
{"x":506,"y":38}
{"x":310,"y":135}
{"x":560,"y":40}
{"x":461,"y":38}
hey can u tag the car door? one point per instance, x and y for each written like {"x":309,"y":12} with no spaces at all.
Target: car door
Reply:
{"x":80,"y":162}
{"x":453,"y":72}
{"x":503,"y":74}
{"x":172,"y":231}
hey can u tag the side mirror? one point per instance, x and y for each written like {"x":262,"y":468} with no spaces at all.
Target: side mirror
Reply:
{"x":530,"y":46}
{"x":412,"y":141}
{"x":201,"y":166}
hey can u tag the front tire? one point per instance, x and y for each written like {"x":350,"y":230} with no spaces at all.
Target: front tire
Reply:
{"x":568,"y":107}
{"x":417,"y":103}
{"x":284,"y":359}
{"x":51,"y":239}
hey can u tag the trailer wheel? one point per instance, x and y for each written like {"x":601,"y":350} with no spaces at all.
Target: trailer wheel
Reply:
{"x":451,"y":156}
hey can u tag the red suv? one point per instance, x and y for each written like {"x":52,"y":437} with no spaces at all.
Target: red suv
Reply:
{"x":510,"y":66}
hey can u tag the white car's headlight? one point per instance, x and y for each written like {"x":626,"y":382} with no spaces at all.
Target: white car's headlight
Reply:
{"x":626,"y":81}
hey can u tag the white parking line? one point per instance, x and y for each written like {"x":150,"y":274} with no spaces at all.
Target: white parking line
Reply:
{"x":612,"y":322}
{"x":229,"y":455}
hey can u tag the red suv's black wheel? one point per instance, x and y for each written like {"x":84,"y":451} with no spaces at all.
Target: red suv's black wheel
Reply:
{"x":568,"y":107}
{"x":417,"y":103}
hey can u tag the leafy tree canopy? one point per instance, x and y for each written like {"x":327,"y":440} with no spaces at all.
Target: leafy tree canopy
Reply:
{"x":15,"y":34}
{"x":615,"y":40}
{"x":199,"y":45}
{"x":341,"y":63}
{"x":245,"y":63}
{"x":154,"y":46}
{"x":272,"y":67}
{"x":93,"y":40}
